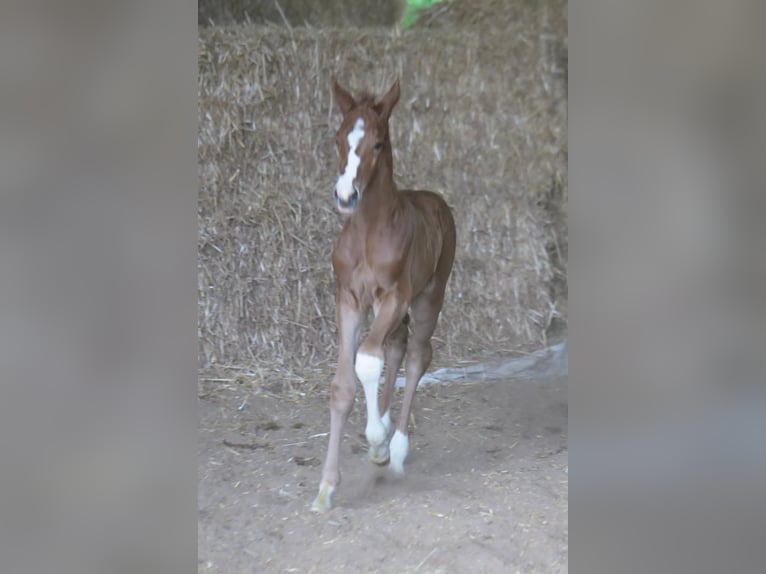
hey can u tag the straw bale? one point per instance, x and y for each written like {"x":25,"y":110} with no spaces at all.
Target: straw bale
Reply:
{"x":479,"y":121}
{"x":547,"y":23}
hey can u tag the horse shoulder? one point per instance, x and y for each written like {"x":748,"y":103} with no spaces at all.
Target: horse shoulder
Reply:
{"x":346,"y":253}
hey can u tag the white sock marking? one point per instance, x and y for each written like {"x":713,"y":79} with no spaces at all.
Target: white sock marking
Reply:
{"x":368,"y":369}
{"x":323,"y":500}
{"x":386,"y":420}
{"x":345,"y":185}
{"x":400,"y":445}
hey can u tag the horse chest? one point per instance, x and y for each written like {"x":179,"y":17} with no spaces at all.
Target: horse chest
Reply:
{"x":365,"y":274}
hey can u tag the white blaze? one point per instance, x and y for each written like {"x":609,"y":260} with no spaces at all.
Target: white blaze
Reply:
{"x":345,"y":186}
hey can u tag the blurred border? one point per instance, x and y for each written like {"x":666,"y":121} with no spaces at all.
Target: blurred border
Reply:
{"x":667,"y":399}
{"x":97,"y":250}
{"x":98,"y":286}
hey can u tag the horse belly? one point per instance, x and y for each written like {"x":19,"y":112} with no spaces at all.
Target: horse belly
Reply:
{"x":425,"y":258}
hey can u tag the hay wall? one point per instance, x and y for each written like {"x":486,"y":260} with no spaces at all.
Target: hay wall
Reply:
{"x":480,"y":119}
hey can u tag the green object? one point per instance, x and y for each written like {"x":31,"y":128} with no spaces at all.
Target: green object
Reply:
{"x":413,"y":7}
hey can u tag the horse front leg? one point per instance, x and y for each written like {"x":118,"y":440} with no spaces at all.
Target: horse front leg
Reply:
{"x":390,"y":311}
{"x":342,"y":393}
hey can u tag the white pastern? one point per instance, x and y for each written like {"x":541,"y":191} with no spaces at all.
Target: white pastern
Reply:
{"x":345,"y":185}
{"x":400,"y":445}
{"x":368,"y":369}
{"x":379,"y":452}
{"x":323,"y":501}
{"x":386,"y":420}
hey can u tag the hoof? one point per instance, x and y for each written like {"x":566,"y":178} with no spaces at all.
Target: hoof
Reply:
{"x":379,"y":454}
{"x":323,"y":501}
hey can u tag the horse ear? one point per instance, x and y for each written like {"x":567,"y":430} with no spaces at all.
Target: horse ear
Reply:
{"x":343,"y":99}
{"x":387,"y":102}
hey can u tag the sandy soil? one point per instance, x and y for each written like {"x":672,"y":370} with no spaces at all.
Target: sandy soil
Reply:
{"x":485,"y":489}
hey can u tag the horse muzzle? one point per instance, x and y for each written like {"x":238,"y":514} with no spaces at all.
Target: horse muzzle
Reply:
{"x":349,"y":205}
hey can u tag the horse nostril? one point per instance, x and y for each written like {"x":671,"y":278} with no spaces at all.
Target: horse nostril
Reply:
{"x":354,"y":196}
{"x":335,"y":194}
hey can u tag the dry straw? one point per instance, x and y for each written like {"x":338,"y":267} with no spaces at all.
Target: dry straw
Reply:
{"x":481,"y":120}
{"x":318,"y":13}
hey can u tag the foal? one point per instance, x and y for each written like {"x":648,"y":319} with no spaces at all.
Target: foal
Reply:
{"x":394,"y":254}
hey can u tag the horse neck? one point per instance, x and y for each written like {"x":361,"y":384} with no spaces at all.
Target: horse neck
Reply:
{"x":381,"y":190}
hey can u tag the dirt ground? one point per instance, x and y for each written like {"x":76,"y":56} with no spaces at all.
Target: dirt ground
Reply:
{"x":485,"y":487}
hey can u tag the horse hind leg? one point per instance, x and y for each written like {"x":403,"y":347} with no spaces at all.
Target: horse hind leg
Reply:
{"x":425,"y":310}
{"x":425,"y":313}
{"x":396,"y":348}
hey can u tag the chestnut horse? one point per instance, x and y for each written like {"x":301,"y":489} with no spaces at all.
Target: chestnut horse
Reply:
{"x":394,"y":254}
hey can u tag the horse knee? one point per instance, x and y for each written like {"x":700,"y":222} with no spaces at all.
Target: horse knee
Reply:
{"x":342,"y":397}
{"x":418,"y":362}
{"x":368,"y":366}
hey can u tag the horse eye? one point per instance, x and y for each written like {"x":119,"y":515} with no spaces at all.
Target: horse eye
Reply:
{"x":378,"y":146}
